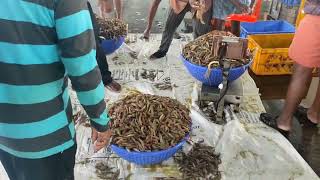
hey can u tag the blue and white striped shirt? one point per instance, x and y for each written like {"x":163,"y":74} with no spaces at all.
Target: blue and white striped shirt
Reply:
{"x":42,"y":44}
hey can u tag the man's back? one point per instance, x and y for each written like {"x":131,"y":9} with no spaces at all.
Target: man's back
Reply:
{"x":42,"y":43}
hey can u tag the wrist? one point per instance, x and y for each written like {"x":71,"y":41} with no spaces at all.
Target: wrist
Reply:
{"x":100,"y":128}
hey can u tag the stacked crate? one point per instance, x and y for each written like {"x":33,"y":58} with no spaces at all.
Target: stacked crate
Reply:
{"x":270,"y":41}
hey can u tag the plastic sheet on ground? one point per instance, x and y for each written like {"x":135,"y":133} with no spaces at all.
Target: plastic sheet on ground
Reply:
{"x":248,"y":148}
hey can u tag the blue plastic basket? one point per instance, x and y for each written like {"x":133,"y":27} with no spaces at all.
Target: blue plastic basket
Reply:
{"x":215,"y":78}
{"x":266,"y":27}
{"x":147,"y":158}
{"x":291,"y":2}
{"x":109,"y":46}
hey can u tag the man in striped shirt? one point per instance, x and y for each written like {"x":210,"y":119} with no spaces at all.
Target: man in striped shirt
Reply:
{"x":42,"y":44}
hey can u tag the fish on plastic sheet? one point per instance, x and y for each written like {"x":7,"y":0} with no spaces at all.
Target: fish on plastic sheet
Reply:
{"x":255,"y":151}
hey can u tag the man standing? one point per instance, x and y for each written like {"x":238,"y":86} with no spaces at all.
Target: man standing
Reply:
{"x":178,"y":10}
{"x":223,"y":8}
{"x":152,"y":13}
{"x":106,"y":6}
{"x":107,"y":80}
{"x":42,"y":43}
{"x":305,"y":51}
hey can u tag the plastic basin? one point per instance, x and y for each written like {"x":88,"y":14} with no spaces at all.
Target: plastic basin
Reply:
{"x":215,"y":78}
{"x":109,"y":46}
{"x":147,"y":158}
{"x":266,"y":27}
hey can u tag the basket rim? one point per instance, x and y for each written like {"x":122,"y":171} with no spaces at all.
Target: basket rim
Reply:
{"x":215,"y":69}
{"x":181,"y":143}
{"x":119,"y":38}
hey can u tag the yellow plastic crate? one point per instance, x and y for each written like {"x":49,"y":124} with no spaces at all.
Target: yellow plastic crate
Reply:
{"x":271,"y":54}
{"x":301,"y":14}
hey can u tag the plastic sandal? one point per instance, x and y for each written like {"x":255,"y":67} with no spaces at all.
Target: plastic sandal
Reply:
{"x":271,"y":121}
{"x":301,"y":115}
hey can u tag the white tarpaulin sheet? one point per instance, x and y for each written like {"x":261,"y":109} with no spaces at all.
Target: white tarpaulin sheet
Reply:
{"x":248,"y":148}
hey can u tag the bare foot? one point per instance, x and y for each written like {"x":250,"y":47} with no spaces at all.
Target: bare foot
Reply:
{"x":114,"y":86}
{"x":146,"y":34}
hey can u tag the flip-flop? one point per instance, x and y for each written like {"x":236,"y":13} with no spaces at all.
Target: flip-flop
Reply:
{"x":301,"y":115}
{"x":271,"y":121}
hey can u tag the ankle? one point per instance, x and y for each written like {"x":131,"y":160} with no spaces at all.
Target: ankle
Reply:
{"x":285,"y":128}
{"x":147,"y":31}
{"x":313,"y":116}
{"x":284,"y":123}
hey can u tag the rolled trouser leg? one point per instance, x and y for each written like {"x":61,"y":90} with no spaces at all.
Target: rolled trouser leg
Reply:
{"x":173,"y":22}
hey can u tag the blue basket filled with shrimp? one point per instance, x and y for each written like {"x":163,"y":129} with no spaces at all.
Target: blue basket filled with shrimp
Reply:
{"x":112,"y":34}
{"x":148,"y":129}
{"x":109,"y":46}
{"x":197,"y":58}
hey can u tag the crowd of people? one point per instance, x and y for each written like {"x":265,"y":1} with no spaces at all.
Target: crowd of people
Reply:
{"x":46,"y":43}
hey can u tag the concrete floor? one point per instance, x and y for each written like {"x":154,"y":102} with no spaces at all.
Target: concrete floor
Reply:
{"x":135,"y":13}
{"x":305,"y":140}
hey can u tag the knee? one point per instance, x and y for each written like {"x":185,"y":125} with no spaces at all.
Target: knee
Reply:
{"x":301,"y":70}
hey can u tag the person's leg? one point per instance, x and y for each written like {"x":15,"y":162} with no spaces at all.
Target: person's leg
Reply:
{"x":118,"y":5}
{"x":200,"y":29}
{"x":101,"y":57}
{"x":66,"y":163}
{"x":152,"y":13}
{"x":103,"y":65}
{"x":173,"y":22}
{"x":7,"y":161}
{"x":297,"y":90}
{"x":106,"y":6}
{"x":218,"y":15}
{"x":104,"y":70}
{"x":218,"y":24}
{"x":314,"y":111}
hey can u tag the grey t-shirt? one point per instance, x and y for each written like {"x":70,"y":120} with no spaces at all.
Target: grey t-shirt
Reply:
{"x":223,"y":8}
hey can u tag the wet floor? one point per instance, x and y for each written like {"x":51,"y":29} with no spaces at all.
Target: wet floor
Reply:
{"x":311,"y":148}
{"x":305,"y":140}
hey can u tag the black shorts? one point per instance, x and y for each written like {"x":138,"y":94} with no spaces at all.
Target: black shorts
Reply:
{"x":56,"y":167}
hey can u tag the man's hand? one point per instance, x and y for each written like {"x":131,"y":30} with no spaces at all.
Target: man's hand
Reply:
{"x":195,"y":4}
{"x":100,"y":139}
